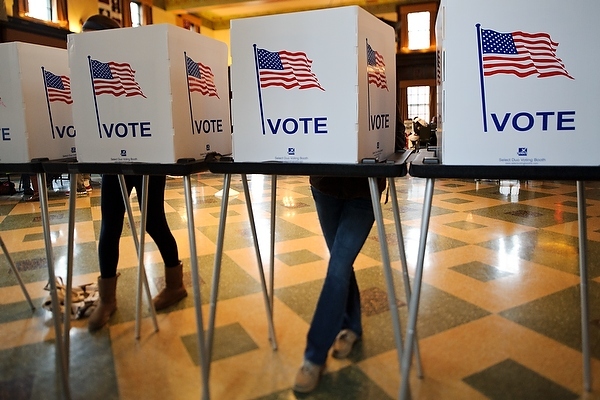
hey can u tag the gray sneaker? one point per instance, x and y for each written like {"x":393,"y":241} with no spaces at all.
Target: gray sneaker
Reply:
{"x":308,"y":377}
{"x":343,"y":344}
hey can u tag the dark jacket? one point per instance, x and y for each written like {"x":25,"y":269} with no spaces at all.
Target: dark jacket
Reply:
{"x":345,"y":187}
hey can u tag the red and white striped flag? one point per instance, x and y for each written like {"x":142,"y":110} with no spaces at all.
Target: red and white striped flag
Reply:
{"x":59,"y":87}
{"x":521,"y":54}
{"x":286,"y":69}
{"x":117,"y":79}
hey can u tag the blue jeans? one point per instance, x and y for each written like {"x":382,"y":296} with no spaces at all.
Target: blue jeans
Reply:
{"x":346,"y":224}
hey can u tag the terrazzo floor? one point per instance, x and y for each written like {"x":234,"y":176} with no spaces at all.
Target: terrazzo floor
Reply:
{"x":499,"y":313}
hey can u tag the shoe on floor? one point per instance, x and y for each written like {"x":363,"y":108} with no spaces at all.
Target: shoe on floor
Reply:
{"x":343,"y":343}
{"x":308,"y":377}
{"x":80,"y":192}
{"x":30,"y":198}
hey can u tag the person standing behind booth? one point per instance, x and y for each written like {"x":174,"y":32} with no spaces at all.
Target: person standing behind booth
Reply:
{"x":346,"y":216}
{"x":112,"y":210}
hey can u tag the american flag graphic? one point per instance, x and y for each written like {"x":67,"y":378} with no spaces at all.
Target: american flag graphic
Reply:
{"x":286,"y":69}
{"x":376,"y":68}
{"x":2,"y":103}
{"x":200,"y":78}
{"x":521,"y":54}
{"x":59,"y":87}
{"x":114,"y":78}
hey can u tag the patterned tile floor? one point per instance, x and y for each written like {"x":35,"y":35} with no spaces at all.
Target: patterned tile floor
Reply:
{"x":499,"y":315}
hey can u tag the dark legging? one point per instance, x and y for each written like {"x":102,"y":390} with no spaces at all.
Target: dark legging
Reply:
{"x":112,"y":209}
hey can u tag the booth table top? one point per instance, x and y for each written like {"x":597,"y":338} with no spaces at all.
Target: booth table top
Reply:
{"x":394,"y":167}
{"x":425,"y":165}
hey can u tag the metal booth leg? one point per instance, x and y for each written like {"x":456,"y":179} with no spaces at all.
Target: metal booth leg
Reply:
{"x":402,"y":253}
{"x":413,"y":306}
{"x":219,"y":257}
{"x":217,"y":265}
{"x":61,"y":355}
{"x":272,"y":248}
{"x":261,"y":271}
{"x":387,"y":269}
{"x":583,"y":276}
{"x":202,"y":347}
{"x":139,"y":245}
{"x":69,"y":277}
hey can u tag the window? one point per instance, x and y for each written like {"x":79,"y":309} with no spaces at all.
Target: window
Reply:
{"x":52,"y":11}
{"x":419,"y":30}
{"x":417,"y":27}
{"x":189,"y":22}
{"x":189,"y":26}
{"x":40,"y":9}
{"x":136,"y":13}
{"x":418,"y":101}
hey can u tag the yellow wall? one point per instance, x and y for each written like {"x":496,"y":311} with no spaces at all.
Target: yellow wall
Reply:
{"x":160,"y":16}
{"x":221,"y":34}
{"x":3,"y":16}
{"x":79,"y":11}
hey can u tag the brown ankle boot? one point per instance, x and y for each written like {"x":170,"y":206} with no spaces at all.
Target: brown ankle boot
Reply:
{"x":173,"y":291}
{"x":107,"y":305}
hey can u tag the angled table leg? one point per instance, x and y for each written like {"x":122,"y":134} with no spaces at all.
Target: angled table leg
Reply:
{"x":219,"y":256}
{"x":261,"y":271}
{"x":69,"y":277}
{"x":402,"y":254}
{"x":139,"y":242}
{"x":61,"y":355}
{"x":387,"y":269}
{"x":583,"y":276}
{"x":202,"y":348}
{"x":272,"y":247}
{"x":217,"y":265}
{"x":413,"y":307}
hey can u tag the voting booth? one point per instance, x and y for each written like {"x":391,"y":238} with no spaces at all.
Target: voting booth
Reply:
{"x":518,"y":82}
{"x":35,"y":104}
{"x":316,"y":86}
{"x":155,"y":93}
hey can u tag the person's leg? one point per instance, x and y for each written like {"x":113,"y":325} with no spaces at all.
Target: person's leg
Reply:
{"x":330,"y":211}
{"x":355,"y":223}
{"x":26,"y":183}
{"x":30,"y":188}
{"x":112,"y":209}
{"x":85,"y":182}
{"x":158,"y":228}
{"x":352,"y":315}
{"x":156,"y":219}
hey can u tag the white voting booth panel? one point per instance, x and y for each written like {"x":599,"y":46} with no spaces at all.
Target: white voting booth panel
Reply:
{"x":35,"y":103}
{"x":518,"y":82}
{"x":316,"y":86}
{"x":156,"y":93}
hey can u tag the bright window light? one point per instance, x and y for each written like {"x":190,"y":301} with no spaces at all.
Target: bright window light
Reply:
{"x":136,"y":13}
{"x":40,"y":9}
{"x":419,"y":30}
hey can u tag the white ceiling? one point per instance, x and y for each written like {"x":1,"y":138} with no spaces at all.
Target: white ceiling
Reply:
{"x":216,"y":14}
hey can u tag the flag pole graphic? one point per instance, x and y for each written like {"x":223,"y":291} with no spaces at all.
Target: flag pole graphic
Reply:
{"x":368,"y":88}
{"x":262,"y":114}
{"x":187,"y":80}
{"x":48,"y":102}
{"x":481,"y":78}
{"x":95,"y":100}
